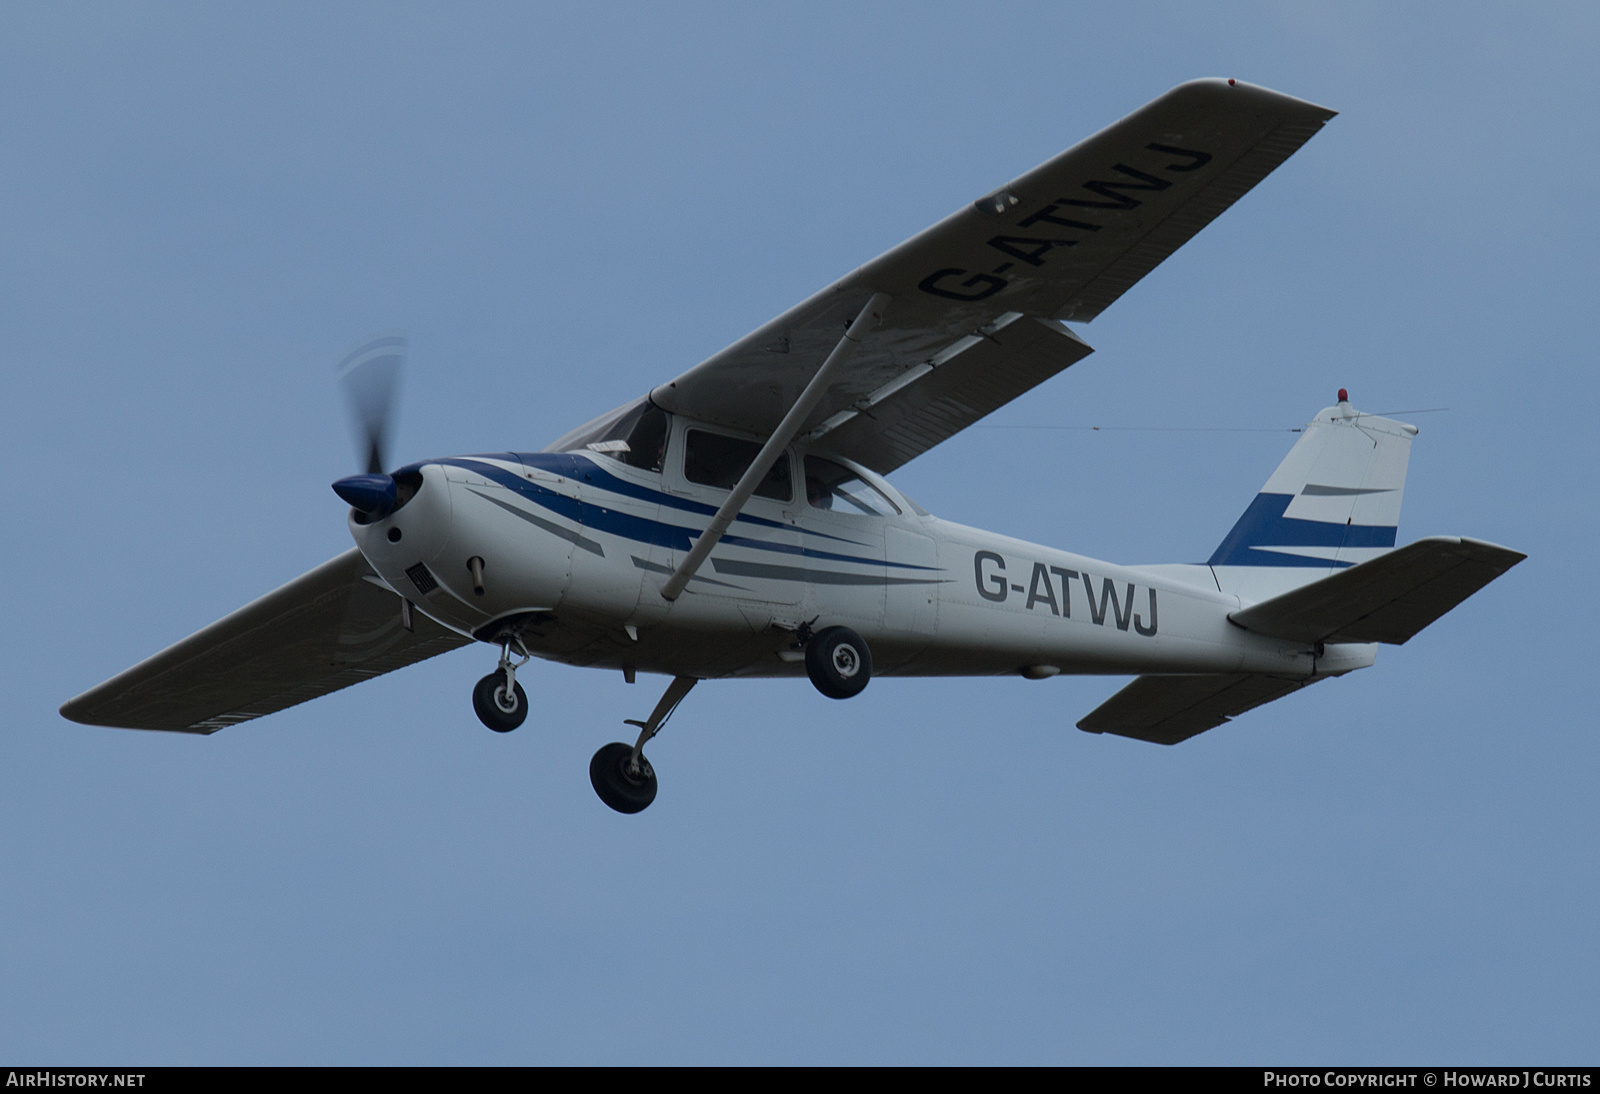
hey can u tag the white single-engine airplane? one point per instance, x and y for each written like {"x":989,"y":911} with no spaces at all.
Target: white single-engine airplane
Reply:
{"x":736,"y":522}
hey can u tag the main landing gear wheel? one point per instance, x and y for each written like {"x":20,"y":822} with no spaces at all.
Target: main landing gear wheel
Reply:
{"x":838,"y":662}
{"x":496,"y":708}
{"x":619,"y":784}
{"x":621,"y":775}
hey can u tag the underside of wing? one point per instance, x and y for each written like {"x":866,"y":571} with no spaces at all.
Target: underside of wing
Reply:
{"x":325,"y":630}
{"x":1167,"y":709}
{"x":1059,"y":243}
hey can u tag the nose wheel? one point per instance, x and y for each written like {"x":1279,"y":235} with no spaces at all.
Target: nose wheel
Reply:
{"x":497,"y":699}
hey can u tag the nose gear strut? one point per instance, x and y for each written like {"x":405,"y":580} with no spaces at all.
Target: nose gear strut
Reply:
{"x":498,"y":699}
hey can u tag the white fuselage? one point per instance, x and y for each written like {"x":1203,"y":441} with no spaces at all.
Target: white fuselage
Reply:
{"x":575,"y":547}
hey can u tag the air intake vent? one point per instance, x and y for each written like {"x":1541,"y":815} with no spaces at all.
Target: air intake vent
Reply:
{"x":422,"y":579}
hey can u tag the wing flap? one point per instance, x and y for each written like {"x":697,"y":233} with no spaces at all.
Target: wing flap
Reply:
{"x":951,"y":393}
{"x":1387,"y":599}
{"x":1167,"y":709}
{"x":323,"y":631}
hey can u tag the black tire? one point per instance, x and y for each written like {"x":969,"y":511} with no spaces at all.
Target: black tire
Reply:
{"x":839,"y":663}
{"x":625,"y":793}
{"x":488,"y":701}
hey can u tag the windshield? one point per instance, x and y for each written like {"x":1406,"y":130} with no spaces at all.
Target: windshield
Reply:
{"x":637,"y":438}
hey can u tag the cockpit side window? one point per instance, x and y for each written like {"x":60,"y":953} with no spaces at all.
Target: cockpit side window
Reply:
{"x":711,"y":459}
{"x":831,"y":486}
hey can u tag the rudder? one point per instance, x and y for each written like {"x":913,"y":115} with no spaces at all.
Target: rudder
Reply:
{"x":1332,"y":503}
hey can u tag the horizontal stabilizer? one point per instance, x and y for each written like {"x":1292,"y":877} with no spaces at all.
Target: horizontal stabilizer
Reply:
{"x":1167,"y":709}
{"x":323,"y":631}
{"x":1387,"y":599}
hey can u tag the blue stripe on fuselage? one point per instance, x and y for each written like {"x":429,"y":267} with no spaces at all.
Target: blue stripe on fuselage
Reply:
{"x":1264,"y":525}
{"x":643,"y":529}
{"x":573,"y":466}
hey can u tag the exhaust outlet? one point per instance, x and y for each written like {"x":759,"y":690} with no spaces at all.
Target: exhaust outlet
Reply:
{"x":475,"y":566}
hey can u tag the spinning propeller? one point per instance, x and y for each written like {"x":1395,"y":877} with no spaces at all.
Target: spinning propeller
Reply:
{"x":370,"y":376}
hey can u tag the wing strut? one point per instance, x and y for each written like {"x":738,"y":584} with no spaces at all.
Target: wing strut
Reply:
{"x":871,"y":315}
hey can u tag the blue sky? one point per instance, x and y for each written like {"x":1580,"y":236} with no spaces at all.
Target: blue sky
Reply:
{"x":205,"y":205}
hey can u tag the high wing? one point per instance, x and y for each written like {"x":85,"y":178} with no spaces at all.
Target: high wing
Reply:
{"x":978,"y":299}
{"x":325,"y":630}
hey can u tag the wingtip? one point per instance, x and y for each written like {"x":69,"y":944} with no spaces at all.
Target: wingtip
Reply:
{"x":1510,"y":554}
{"x":72,"y":711}
{"x":1231,"y":85}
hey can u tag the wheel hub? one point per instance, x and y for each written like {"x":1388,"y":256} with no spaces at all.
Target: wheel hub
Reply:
{"x":845,"y":661}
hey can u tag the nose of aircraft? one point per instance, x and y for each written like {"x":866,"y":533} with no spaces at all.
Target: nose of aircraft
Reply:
{"x":374,"y":495}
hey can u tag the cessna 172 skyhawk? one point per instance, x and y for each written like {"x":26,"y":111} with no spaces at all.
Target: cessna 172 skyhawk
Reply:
{"x":736,"y":522}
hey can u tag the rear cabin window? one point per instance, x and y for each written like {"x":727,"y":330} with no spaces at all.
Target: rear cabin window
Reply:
{"x":832,"y":486}
{"x":711,"y":459}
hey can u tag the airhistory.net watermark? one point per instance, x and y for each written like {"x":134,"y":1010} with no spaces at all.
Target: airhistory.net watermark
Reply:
{"x":44,"y":1077}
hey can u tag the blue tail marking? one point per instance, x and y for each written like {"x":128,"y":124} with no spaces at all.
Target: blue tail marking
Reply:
{"x":1264,"y":525}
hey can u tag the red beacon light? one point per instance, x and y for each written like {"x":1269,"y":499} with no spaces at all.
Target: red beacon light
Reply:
{"x":1344,"y":396}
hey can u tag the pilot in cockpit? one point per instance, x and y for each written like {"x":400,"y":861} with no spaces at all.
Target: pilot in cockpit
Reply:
{"x":817,"y":494}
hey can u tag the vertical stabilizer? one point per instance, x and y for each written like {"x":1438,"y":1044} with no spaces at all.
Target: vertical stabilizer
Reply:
{"x":1333,"y":502}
